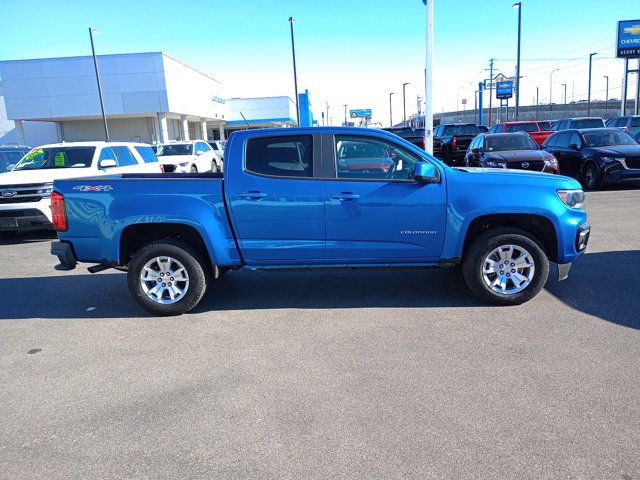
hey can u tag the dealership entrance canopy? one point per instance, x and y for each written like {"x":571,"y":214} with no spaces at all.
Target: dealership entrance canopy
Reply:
{"x":149,"y":97}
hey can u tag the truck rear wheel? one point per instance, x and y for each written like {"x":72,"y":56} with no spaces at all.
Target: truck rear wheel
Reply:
{"x":167,"y":277}
{"x":505,"y":266}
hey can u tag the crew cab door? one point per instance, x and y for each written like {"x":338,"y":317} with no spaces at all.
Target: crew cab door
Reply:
{"x":275,"y":199}
{"x":376,"y":212}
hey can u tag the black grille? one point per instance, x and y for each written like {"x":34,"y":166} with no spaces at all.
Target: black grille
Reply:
{"x":168,"y":168}
{"x":535,"y":165}
{"x":5,"y":200}
{"x":633,"y":162}
{"x":20,"y":213}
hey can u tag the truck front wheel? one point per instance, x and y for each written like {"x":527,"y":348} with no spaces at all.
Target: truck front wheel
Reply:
{"x":167,"y":277}
{"x":505,"y":266}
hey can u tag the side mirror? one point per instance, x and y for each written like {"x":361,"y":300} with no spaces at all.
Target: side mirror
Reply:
{"x":573,"y":146}
{"x":426,"y":172}
{"x":476,"y":151}
{"x":107,"y":163}
{"x":199,"y":153}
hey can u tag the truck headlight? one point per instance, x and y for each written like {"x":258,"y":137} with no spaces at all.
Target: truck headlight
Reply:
{"x":551,"y":161}
{"x":46,"y":189}
{"x":572,"y":198}
{"x":183,"y":164}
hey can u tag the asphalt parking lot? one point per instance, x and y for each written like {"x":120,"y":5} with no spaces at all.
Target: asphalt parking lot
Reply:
{"x":356,"y":374}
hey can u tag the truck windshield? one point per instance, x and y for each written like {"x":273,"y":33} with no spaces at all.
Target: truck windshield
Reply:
{"x":179,"y":149}
{"x":608,"y":138}
{"x":503,"y":143}
{"x":9,"y":159}
{"x":56,"y":157}
{"x":460,"y":130}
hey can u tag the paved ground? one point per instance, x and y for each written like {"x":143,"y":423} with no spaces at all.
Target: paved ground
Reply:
{"x":383,"y":374}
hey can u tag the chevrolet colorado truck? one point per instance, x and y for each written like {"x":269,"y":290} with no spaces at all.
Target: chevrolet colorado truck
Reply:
{"x":325,"y":197}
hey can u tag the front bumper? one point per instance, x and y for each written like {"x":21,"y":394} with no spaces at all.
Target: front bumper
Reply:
{"x":23,"y":220}
{"x":581,"y":241}
{"x":619,"y":174}
{"x":65,"y":254}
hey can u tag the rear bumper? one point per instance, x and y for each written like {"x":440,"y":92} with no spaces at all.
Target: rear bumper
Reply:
{"x":65,"y":254}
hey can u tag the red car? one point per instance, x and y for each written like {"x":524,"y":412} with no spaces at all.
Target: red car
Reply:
{"x":539,"y":131}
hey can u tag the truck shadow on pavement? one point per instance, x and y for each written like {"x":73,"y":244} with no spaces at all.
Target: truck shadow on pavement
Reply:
{"x":605,"y":285}
{"x":601,"y":284}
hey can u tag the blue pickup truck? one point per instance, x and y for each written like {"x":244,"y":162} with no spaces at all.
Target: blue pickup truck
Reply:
{"x":320,"y":198}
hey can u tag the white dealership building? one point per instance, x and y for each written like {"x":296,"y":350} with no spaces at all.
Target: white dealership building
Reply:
{"x":148,"y":97}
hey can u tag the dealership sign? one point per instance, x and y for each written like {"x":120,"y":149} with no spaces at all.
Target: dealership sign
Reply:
{"x":628,"y":39}
{"x":504,"y":89}
{"x":360,"y":113}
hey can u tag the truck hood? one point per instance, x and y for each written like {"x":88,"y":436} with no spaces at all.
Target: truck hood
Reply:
{"x":618,"y":150}
{"x":495,"y":176}
{"x":26,"y":177}
{"x":175,"y":159}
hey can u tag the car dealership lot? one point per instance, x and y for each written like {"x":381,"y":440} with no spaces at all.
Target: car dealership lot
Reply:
{"x":349,"y":374}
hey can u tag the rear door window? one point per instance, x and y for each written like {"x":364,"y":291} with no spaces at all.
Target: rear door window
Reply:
{"x":281,"y":156}
{"x":563,"y":140}
{"x":124,"y":157}
{"x":147,"y":154}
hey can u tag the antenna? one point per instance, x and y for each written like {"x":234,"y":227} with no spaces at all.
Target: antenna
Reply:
{"x":245,"y":120}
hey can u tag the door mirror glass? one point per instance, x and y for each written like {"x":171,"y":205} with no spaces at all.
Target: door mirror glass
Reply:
{"x":108,"y":163}
{"x":426,"y":172}
{"x":475,"y":151}
{"x":573,"y":146}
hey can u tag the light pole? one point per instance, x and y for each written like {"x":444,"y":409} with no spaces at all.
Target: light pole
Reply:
{"x":295,"y":73}
{"x":428,"y":78}
{"x":518,"y":5}
{"x":390,"y":111}
{"x":551,"y":88}
{"x":95,"y":64}
{"x":537,"y":101}
{"x":564,"y":110}
{"x":606,"y":98}
{"x":589,"y":89}
{"x":345,"y":114}
{"x":404,"y":103}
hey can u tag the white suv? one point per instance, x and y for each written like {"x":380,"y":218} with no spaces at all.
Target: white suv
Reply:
{"x":189,"y":157}
{"x":25,"y":190}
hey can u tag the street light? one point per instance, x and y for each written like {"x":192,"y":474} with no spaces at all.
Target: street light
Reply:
{"x":295,"y":73}
{"x":95,"y":64}
{"x":518,"y":5}
{"x":390,"y":111}
{"x":589,"y":89}
{"x":345,"y":114}
{"x":564,"y":110}
{"x":404,"y":103}
{"x":551,"y":88}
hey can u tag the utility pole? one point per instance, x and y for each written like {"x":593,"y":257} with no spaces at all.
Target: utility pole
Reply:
{"x":404,"y":103}
{"x":428,"y":79}
{"x":518,"y":5}
{"x":606,"y":96}
{"x":564,"y":110}
{"x":490,"y":90}
{"x":537,"y":101}
{"x":625,"y":88}
{"x":589,"y":89}
{"x":345,"y":114}
{"x":295,"y":73}
{"x":551,"y":88}
{"x":95,"y":64}
{"x":327,"y":106}
{"x":390,"y":111}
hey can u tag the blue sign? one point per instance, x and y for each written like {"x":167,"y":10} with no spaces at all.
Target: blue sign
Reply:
{"x":360,"y":113}
{"x":628,"y":39}
{"x":504,"y":89}
{"x":348,"y":124}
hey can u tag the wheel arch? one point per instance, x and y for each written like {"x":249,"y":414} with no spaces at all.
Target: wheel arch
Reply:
{"x":539,"y":226}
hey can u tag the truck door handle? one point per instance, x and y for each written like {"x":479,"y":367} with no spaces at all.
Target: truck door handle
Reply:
{"x":345,"y":196}
{"x":252,"y":195}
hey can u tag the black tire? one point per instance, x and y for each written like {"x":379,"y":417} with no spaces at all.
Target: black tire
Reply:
{"x":194,"y":169}
{"x":591,"y":179}
{"x":8,"y":234}
{"x":195,"y":264}
{"x":473,"y":264}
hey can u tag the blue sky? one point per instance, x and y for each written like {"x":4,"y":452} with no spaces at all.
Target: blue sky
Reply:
{"x":348,"y":51}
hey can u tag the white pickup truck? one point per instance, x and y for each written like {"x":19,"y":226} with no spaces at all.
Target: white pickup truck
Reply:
{"x":25,"y":190}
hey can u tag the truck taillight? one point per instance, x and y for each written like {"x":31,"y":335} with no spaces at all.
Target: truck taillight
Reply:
{"x":58,"y":212}
{"x":454,"y":143}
